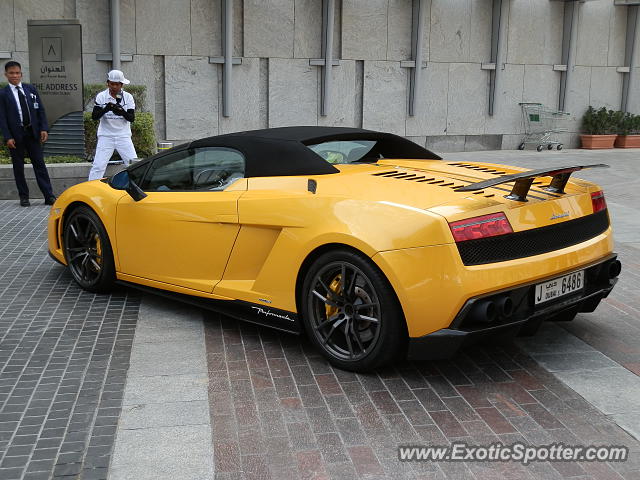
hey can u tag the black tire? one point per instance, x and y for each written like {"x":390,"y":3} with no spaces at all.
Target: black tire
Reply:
{"x":559,"y":147}
{"x":87,"y":251}
{"x":363,"y":344}
{"x":521,"y":146}
{"x":539,"y":148}
{"x":550,"y":147}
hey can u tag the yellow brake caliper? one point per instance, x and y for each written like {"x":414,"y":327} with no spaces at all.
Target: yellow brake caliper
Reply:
{"x":98,"y":249}
{"x":334,"y":287}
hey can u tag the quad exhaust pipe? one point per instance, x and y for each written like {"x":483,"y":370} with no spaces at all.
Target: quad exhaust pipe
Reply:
{"x":615,"y":268}
{"x":487,"y":311}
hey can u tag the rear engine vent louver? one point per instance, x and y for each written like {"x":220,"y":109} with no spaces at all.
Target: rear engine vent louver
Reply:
{"x":395,"y":174}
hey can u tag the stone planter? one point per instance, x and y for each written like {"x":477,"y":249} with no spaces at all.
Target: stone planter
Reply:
{"x":594,"y":142}
{"x":627,"y":141}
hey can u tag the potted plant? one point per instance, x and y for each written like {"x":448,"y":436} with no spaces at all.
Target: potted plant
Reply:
{"x":628,"y":131}
{"x":598,"y":128}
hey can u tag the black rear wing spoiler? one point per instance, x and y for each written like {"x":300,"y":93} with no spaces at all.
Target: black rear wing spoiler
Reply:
{"x":525,"y":179}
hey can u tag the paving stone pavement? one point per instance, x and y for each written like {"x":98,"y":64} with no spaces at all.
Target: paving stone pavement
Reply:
{"x":64,"y":356}
{"x":276,"y":408}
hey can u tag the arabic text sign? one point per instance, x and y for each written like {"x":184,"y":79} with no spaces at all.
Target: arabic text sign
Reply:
{"x":55,"y":61}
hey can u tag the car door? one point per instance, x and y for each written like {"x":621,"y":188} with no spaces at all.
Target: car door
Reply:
{"x":183,"y":231}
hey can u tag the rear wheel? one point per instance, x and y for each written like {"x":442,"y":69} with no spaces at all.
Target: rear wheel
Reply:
{"x":539,"y":148}
{"x":87,"y":251}
{"x":521,"y":146}
{"x":351,"y":313}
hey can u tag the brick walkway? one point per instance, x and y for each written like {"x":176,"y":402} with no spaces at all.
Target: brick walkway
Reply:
{"x":278,"y":410}
{"x":64,"y":355}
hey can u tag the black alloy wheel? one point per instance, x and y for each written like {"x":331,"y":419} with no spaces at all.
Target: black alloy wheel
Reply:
{"x":87,"y":251}
{"x":351,"y":313}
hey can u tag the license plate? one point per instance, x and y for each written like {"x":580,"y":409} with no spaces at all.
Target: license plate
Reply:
{"x":559,"y":287}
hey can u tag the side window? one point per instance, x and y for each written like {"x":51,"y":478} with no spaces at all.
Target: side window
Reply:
{"x":216,"y":168}
{"x":136,"y":173}
{"x":203,"y":169}
{"x":172,"y":172}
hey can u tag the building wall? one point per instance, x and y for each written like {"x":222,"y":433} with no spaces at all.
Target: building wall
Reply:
{"x":171,"y":42}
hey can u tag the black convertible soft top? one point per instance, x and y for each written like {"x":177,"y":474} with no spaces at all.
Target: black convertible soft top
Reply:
{"x":283,"y":151}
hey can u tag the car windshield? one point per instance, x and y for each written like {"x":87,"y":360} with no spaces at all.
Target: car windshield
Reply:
{"x":347,"y":151}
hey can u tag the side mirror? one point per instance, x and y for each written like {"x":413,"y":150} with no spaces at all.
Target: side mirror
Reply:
{"x":122,"y":181}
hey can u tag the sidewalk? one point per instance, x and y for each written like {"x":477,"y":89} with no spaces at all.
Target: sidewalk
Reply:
{"x":134,"y":387}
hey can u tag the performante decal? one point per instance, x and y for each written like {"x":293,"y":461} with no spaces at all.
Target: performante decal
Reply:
{"x":269,"y":313}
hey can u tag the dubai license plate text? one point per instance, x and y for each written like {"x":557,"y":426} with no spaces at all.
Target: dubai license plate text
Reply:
{"x":559,"y":287}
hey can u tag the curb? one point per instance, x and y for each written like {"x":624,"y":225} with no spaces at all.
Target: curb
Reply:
{"x":63,"y":176}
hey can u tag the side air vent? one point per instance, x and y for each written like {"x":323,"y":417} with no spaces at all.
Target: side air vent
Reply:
{"x":413,"y":177}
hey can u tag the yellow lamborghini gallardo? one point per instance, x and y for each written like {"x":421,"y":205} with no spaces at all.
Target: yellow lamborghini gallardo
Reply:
{"x":366,"y":242}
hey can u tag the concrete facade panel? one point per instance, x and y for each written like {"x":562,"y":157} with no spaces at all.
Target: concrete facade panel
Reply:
{"x":127,"y":26}
{"x":541,"y":85}
{"x":94,"y":17}
{"x":450,"y":31}
{"x":536,"y":41}
{"x":431,"y":115}
{"x":247,"y":111}
{"x":206,"y":28}
{"x":94,"y":71}
{"x":577,"y":100}
{"x":24,"y":10}
{"x":308,"y":29}
{"x":192,"y":110}
{"x":7,"y":29}
{"x":364,"y":29}
{"x":633,"y":104}
{"x":617,"y":36}
{"x":480,"y":31}
{"x":385,"y":97}
{"x":342,"y":107}
{"x":593,"y":33}
{"x":606,"y":88}
{"x":508,"y":95}
{"x":445,"y":143}
{"x":142,"y":72}
{"x":399,"y":29}
{"x":293,"y":87}
{"x":467,"y":99}
{"x":166,"y":25}
{"x":268,"y":28}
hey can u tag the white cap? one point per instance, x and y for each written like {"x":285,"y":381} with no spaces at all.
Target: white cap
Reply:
{"x":117,"y":76}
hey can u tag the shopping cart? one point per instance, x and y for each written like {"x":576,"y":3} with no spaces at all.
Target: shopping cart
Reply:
{"x":541,"y":124}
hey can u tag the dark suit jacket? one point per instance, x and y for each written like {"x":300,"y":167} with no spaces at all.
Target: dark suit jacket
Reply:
{"x":10,"y":125}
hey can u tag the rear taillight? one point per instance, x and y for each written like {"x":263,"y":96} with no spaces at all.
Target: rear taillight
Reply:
{"x":598,"y":201}
{"x":480,"y":227}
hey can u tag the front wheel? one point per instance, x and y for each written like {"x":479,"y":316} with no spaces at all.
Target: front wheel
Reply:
{"x":351,"y":313}
{"x":87,"y":251}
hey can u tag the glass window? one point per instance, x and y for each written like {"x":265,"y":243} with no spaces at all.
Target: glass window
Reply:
{"x":137,"y":172}
{"x":347,"y":151}
{"x":203,"y":169}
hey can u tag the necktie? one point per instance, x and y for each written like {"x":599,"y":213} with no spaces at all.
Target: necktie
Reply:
{"x":26,"y":117}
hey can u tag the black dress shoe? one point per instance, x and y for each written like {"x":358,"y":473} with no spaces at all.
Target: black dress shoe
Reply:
{"x":24,"y":202}
{"x":50,"y":201}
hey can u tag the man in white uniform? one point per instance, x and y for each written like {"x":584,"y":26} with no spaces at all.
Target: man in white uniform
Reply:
{"x":116,"y":110}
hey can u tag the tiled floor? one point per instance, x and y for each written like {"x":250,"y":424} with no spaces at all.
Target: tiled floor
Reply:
{"x":64,"y":355}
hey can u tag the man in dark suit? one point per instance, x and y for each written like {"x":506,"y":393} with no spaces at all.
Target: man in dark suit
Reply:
{"x":24,"y":126}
